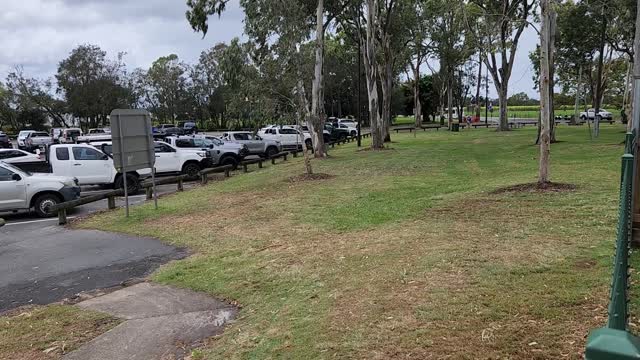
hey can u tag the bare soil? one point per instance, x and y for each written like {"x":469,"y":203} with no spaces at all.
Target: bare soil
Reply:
{"x":536,"y":188}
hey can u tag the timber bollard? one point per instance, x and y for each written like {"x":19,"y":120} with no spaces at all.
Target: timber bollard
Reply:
{"x":285,"y":156}
{"x":273,"y":161}
{"x":180,"y":185}
{"x":227,"y":173}
{"x":260,"y":164}
{"x":295,"y":154}
{"x":62,"y":217}
{"x":149,"y":192}
{"x":245,"y":168}
{"x":204,"y":179}
{"x":111,"y":201}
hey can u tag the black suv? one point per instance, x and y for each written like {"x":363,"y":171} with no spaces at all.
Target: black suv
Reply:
{"x":5,"y":142}
{"x":335,"y":133}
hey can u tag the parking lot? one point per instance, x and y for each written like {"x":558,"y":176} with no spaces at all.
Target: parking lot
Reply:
{"x":42,"y":262}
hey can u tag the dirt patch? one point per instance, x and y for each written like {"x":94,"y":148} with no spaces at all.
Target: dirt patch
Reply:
{"x":310,"y":177}
{"x":535,"y":188}
{"x":369,"y":148}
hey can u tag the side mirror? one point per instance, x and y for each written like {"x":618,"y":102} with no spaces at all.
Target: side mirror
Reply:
{"x":16,"y":177}
{"x":105,"y":157}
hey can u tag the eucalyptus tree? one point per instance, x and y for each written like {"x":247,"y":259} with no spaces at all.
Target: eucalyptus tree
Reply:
{"x":498,"y":26}
{"x":288,"y":23}
{"x":168,"y":81}
{"x":417,"y":23}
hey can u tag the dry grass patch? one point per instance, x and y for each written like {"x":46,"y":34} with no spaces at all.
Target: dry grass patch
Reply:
{"x":48,"y":332}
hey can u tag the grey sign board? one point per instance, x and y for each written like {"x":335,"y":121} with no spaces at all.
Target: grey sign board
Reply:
{"x":132,"y":138}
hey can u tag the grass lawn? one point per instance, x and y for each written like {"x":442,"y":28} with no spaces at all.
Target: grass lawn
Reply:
{"x":48,"y":332}
{"x":405,"y":253}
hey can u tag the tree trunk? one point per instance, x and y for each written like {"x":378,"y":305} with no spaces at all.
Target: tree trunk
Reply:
{"x":417,"y":105}
{"x":316,"y":125}
{"x":545,"y":95}
{"x":504,"y":115}
{"x":449,"y":100}
{"x":304,"y":111}
{"x":599,"y":88}
{"x":375,"y":120}
{"x":576,"y":115}
{"x":386,"y":79}
{"x":478,"y":89}
{"x":552,"y":66}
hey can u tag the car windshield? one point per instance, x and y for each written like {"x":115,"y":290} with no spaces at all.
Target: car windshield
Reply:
{"x":15,"y":169}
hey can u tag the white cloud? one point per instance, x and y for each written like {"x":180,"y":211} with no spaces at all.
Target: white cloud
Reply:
{"x":38,"y":34}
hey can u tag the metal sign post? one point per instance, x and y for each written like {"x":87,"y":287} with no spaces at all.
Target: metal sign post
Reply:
{"x":133,"y":146}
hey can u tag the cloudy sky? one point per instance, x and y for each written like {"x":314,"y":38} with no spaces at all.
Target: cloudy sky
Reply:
{"x":37,"y":34}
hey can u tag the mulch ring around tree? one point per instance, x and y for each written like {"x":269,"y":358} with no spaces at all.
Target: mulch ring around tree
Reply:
{"x":549,"y":187}
{"x":310,"y":177}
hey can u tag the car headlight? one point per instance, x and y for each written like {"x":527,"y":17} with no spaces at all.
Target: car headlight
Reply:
{"x":71,"y":182}
{"x":202,"y":154}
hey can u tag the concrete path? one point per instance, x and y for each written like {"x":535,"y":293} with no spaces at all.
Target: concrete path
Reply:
{"x":160,"y":323}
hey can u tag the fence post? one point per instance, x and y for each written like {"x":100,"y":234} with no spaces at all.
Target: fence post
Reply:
{"x":628,"y":143}
{"x":111,"y":201}
{"x":273,"y":161}
{"x":285,"y":156}
{"x":226,"y":172}
{"x":204,"y":178}
{"x":295,"y":154}
{"x":245,"y":168}
{"x":62,"y":217}
{"x":614,"y":341}
{"x":180,"y":184}
{"x":260,"y":164}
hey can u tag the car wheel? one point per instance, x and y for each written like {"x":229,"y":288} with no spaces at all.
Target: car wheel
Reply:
{"x":354,"y":133}
{"x":133,"y":185}
{"x":343,"y":136}
{"x":309,"y":144}
{"x":192,"y":170}
{"x":43,"y":203}
{"x":229,"y":160}
{"x":271,"y":151}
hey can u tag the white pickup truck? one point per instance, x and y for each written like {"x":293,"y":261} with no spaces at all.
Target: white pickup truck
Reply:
{"x":289,"y":138}
{"x":170,"y":160}
{"x":21,"y":190}
{"x":590,"y":115}
{"x":94,"y":135}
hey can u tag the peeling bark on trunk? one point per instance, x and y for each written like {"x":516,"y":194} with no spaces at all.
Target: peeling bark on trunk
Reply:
{"x":304,"y":111}
{"x":318,"y":116}
{"x":377,"y":126}
{"x":545,"y":94}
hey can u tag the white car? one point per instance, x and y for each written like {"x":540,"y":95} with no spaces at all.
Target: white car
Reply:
{"x":21,"y":190}
{"x":289,"y":138}
{"x":353,"y":131}
{"x":22,"y":137}
{"x":16,"y":156}
{"x":590,"y":114}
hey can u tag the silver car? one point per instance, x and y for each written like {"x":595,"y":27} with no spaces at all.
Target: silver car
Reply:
{"x":221,"y":152}
{"x":255,"y":144}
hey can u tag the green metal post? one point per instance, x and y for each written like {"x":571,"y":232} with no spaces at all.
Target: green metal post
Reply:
{"x":628,"y":143}
{"x":615,"y":342}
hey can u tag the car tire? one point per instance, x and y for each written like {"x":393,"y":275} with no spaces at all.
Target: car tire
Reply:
{"x":43,"y":202}
{"x":271,"y":151}
{"x":229,"y":160}
{"x":354,"y":133}
{"x":133,"y":185}
{"x":309,"y":144}
{"x":191,"y":170}
{"x":343,"y":136}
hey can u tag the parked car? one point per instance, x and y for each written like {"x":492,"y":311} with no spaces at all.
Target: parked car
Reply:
{"x":289,"y":138}
{"x":65,"y":135}
{"x":255,"y":144}
{"x":590,"y":114}
{"x":5,"y":142}
{"x":21,"y":190}
{"x":22,"y":136}
{"x":352,"y":130}
{"x":94,"y":135}
{"x":90,"y":166}
{"x":166,"y":130}
{"x":15,"y":156}
{"x":169,"y":159}
{"x":188,"y":127}
{"x":37,"y":140}
{"x":220,"y":152}
{"x":337,"y":133}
